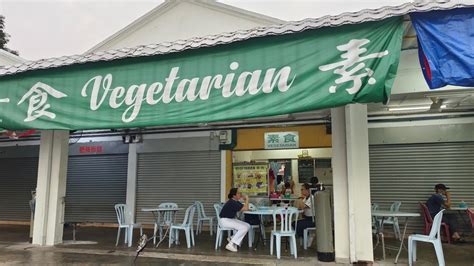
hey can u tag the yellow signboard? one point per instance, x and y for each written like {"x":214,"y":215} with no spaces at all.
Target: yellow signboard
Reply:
{"x":251,"y":178}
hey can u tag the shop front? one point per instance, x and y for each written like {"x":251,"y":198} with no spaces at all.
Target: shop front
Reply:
{"x":176,"y":169}
{"x":201,"y":83}
{"x":18,"y":174}
{"x":407,"y":162}
{"x":96,"y":179}
{"x":292,"y":154}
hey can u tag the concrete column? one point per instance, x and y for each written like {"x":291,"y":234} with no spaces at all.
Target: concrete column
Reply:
{"x":357,"y":144}
{"x":339,"y":175}
{"x":353,"y":229}
{"x":51,"y":188}
{"x":132,"y":181}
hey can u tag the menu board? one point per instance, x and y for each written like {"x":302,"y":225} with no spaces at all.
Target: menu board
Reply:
{"x":251,"y":178}
{"x":305,"y":170}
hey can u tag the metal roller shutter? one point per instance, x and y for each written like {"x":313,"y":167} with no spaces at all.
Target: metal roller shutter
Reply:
{"x":180,"y":177}
{"x":17,"y":179}
{"x":408,"y":173}
{"x":94,"y":184}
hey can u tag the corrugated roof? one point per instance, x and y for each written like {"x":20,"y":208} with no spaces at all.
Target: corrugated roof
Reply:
{"x":226,"y":38}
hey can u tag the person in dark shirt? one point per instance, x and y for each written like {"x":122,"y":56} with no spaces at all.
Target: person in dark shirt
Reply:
{"x":228,"y":220}
{"x":436,"y":202}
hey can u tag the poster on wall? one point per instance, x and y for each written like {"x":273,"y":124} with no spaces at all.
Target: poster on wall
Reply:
{"x":251,"y":178}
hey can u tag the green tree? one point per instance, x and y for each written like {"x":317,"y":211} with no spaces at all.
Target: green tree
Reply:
{"x":4,"y":37}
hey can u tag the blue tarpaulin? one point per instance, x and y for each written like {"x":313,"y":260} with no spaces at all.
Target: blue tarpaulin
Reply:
{"x":446,"y":46}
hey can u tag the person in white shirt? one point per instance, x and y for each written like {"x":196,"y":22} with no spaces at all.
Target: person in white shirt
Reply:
{"x":305,"y":204}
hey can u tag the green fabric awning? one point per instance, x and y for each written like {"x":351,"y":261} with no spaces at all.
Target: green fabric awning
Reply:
{"x":265,"y":76}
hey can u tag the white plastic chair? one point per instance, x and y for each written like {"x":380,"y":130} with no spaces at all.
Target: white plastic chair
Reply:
{"x":434,"y":238}
{"x":220,"y":229}
{"x":186,"y":226}
{"x":374,"y":207}
{"x":122,"y":210}
{"x":287,"y":217}
{"x":306,"y":231}
{"x":376,"y":230}
{"x":393,"y":220}
{"x":167,"y":219}
{"x":202,"y":217}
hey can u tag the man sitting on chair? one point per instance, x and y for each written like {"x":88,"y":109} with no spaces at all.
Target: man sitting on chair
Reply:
{"x":436,"y":202}
{"x":305,"y":204}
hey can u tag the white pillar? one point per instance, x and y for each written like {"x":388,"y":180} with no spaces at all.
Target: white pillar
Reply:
{"x":51,"y":188}
{"x":132,"y":181}
{"x":339,"y":173}
{"x":353,"y":229}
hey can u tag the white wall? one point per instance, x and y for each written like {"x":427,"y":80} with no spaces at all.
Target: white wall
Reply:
{"x":409,"y":77}
{"x":183,"y":21}
{"x":242,"y":156}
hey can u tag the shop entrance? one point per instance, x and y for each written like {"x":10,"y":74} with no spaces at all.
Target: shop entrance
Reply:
{"x":292,"y":166}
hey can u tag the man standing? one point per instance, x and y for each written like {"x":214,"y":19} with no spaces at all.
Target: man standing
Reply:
{"x":436,"y":202}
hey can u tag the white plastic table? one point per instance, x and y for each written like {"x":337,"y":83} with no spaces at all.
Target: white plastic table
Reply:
{"x":281,"y":199}
{"x":261,"y":211}
{"x":157,"y":213}
{"x":266,"y":210}
{"x":387,"y":214}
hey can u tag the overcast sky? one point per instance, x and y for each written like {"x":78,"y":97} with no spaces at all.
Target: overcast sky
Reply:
{"x":51,"y":28}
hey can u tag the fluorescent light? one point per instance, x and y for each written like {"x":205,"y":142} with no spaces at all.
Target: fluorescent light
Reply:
{"x":410,"y":108}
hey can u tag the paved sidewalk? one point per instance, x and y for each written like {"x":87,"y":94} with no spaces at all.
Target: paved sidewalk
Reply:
{"x":27,"y":254}
{"x":96,"y":246}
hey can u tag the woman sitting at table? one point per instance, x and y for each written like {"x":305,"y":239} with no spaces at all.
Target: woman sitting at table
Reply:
{"x":305,"y":204}
{"x":227,"y":218}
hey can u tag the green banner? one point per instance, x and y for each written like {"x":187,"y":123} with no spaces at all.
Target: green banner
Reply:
{"x":265,"y":76}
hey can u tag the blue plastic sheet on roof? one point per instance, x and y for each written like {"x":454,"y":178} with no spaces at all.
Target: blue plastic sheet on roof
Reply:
{"x":446,"y":46}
